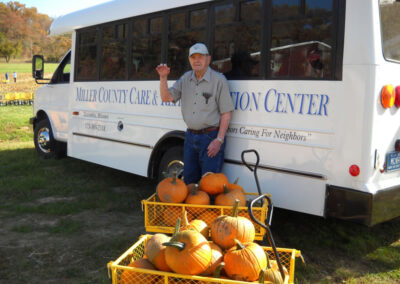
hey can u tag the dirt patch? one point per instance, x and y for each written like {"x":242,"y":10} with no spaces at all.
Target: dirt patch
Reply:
{"x":32,"y":251}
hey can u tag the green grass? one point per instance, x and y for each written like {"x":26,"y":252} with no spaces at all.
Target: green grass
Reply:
{"x":334,"y":251}
{"x":23,"y":68}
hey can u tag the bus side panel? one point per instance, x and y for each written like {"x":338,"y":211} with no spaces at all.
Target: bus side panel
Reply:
{"x":287,"y":191}
{"x":111,"y":154}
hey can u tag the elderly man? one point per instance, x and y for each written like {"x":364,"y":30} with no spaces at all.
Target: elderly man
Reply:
{"x":206,"y":108}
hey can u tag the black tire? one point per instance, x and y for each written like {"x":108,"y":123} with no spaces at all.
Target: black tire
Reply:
{"x":45,"y":144}
{"x":171,"y":161}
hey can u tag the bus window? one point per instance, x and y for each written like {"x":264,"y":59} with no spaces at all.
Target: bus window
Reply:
{"x":113,"y":60}
{"x":301,"y":39}
{"x":181,"y":36}
{"x":87,"y":55}
{"x":237,"y":42}
{"x":146,"y":48}
{"x":390,"y":26}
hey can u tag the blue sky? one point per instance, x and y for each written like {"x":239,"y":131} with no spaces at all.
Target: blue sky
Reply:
{"x":55,"y":8}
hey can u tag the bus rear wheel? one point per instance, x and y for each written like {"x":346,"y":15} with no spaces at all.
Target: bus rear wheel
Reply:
{"x":171,"y":161}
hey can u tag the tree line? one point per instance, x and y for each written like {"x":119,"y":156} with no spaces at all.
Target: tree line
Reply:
{"x":25,"y":32}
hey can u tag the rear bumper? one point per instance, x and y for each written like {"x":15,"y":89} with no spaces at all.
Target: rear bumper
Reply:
{"x":361,"y":207}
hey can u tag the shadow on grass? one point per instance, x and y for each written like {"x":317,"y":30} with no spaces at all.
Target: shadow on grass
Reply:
{"x":337,"y":251}
{"x":26,"y":181}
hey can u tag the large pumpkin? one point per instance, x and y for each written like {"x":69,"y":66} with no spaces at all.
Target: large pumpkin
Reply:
{"x":245,"y":261}
{"x":172,"y":190}
{"x":188,"y":252}
{"x":134,"y":277}
{"x":154,"y":250}
{"x":229,"y":196}
{"x":213,"y":183}
{"x":225,"y":229}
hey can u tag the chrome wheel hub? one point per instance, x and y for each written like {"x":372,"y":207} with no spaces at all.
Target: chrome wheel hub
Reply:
{"x":43,"y":139}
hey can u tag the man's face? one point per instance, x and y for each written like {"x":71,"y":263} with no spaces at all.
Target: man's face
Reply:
{"x":199,"y":62}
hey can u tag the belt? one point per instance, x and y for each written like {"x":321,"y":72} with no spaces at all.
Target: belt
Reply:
{"x":204,"y":130}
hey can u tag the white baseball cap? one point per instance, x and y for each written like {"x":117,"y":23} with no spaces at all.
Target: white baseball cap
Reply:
{"x":198,"y":48}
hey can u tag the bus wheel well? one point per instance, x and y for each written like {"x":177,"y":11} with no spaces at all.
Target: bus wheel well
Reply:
{"x":39,"y":116}
{"x":158,"y":152}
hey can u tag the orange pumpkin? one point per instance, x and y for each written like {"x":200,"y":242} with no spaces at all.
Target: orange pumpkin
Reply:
{"x":217,"y":256}
{"x":133,"y":277}
{"x":225,"y":229}
{"x":270,"y":274}
{"x":172,"y":190}
{"x":235,"y":185}
{"x":245,"y":261}
{"x":197,"y":196}
{"x":228,"y":197}
{"x":154,"y":250}
{"x":196,"y":224}
{"x":188,"y":252}
{"x":213,"y":183}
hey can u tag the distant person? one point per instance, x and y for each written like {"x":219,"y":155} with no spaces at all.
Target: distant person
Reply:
{"x":15,"y":76}
{"x":6,"y":77}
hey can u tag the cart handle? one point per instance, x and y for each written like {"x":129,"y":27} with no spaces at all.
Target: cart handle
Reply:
{"x":255,"y":166}
{"x":266,"y":227}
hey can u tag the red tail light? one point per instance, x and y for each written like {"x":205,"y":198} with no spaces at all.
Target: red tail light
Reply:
{"x":397,"y":99}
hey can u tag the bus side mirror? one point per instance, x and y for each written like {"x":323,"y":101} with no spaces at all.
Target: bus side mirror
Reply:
{"x":37,"y":67}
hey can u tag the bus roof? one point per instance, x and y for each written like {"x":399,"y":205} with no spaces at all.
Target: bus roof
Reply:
{"x":112,"y":11}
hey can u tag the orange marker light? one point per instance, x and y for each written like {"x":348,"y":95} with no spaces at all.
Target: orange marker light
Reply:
{"x":354,"y":170}
{"x":397,"y":99}
{"x":387,"y":96}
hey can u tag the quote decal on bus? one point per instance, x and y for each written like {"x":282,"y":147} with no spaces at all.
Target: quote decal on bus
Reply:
{"x":279,"y":135}
{"x":274,"y":101}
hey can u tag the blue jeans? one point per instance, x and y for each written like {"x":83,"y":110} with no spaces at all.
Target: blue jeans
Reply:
{"x":195,"y":158}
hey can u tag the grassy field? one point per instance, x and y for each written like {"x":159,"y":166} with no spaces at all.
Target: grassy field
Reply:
{"x":23,"y":68}
{"x":63,"y":220}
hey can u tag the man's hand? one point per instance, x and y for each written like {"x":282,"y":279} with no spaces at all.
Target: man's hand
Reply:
{"x":163,"y":70}
{"x":213,"y":148}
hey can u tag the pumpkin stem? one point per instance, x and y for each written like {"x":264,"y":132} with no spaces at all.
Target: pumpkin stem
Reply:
{"x":235,"y":208}
{"x":268,"y":263}
{"x":217,"y":271}
{"x":261,"y":278}
{"x":195,"y":189}
{"x":185,"y":219}
{"x":178,"y":245}
{"x":177,"y":226}
{"x":236,"y":180}
{"x":226,"y":190}
{"x":174,"y":177}
{"x":239,"y":245}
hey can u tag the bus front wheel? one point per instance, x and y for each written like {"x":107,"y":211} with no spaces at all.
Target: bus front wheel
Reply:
{"x":45,"y":144}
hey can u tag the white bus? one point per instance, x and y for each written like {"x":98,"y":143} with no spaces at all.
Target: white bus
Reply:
{"x":315,"y":85}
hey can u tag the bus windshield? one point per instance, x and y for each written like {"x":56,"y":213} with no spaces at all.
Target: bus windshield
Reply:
{"x":390,"y":25}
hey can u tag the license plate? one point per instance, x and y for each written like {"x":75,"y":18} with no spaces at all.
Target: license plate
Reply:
{"x":392,"y":161}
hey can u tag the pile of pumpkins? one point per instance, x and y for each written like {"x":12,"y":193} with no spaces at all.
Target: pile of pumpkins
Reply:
{"x":174,"y":190}
{"x":231,"y":253}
